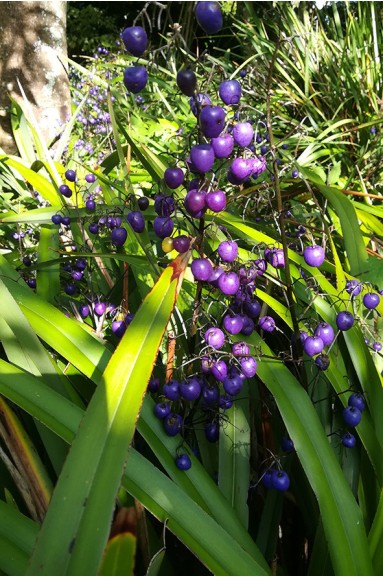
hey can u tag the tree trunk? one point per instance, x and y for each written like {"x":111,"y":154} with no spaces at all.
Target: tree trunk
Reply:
{"x":33,"y":48}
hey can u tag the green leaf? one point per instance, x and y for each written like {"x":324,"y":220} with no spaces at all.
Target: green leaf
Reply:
{"x":17,"y":536}
{"x":119,"y":556}
{"x":38,"y":182}
{"x":82,"y":504}
{"x":48,"y":277}
{"x":234,"y":456}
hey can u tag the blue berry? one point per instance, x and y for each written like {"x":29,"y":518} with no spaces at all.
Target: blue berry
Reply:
{"x":183,"y":462}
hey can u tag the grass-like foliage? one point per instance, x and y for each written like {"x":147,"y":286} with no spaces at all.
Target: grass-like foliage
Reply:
{"x":191,"y":334}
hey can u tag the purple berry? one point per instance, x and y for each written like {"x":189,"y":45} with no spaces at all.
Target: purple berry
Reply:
{"x":314,"y":255}
{"x":223,"y":145}
{"x":326,"y":332}
{"x":171,"y":390}
{"x":352,"y":416}
{"x":377,"y":346}
{"x":181,"y":243}
{"x":99,"y":308}
{"x":70,"y":175}
{"x":195,"y":203}
{"x":344,"y":320}
{"x":371,"y":300}
{"x":357,"y":400}
{"x":190,"y":390}
{"x":135,"y":40}
{"x":243,"y":134}
{"x":210,"y":395}
{"x":136,"y":220}
{"x":201,"y":99}
{"x":233,"y":385}
{"x":230,"y":91}
{"x":93,"y":228}
{"x":163,"y":226}
{"x":174,"y":177}
{"x":90,"y":178}
{"x":216,"y":201}
{"x":90,"y":204}
{"x":248,"y":366}
{"x":202,"y":157}
{"x":348,"y":440}
{"x":212,"y":432}
{"x":267,"y":324}
{"x":135,"y":78}
{"x":173,"y":423}
{"x":240,"y":348}
{"x":313,"y":345}
{"x":287,"y":444}
{"x":215,"y":337}
{"x":209,"y":16}
{"x":84,"y":310}
{"x":322,"y":361}
{"x":118,"y":236}
{"x":228,"y":283}
{"x":119,"y":328}
{"x":233,"y":324}
{"x":212,"y":121}
{"x":65,"y":191}
{"x":183,"y":462}
{"x":353,"y":287}
{"x":275,"y":257}
{"x":280,"y":480}
{"x":162,"y":410}
{"x":56,"y":219}
{"x":201,"y":269}
{"x":143,"y":203}
{"x":219,"y":370}
{"x":228,"y":251}
{"x":187,"y":81}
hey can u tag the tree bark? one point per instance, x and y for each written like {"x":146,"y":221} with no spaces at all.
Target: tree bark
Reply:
{"x":33,"y":49}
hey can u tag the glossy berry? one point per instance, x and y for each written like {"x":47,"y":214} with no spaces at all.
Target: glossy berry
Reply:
{"x":70,"y":289}
{"x":240,"y":348}
{"x":198,"y":102}
{"x":233,"y":324}
{"x":183,"y":462}
{"x":163,"y":226}
{"x":90,"y":204}
{"x":212,"y":121}
{"x":377,"y":346}
{"x":201,"y":269}
{"x":190,"y":389}
{"x":135,"y":40}
{"x":230,"y":91}
{"x":93,"y":228}
{"x":70,"y":175}
{"x":313,"y":345}
{"x":143,"y":203}
{"x":280,"y":480}
{"x":216,"y":201}
{"x":136,"y":220}
{"x":352,"y":416}
{"x":228,"y":283}
{"x":100,"y":308}
{"x":210,"y":395}
{"x":240,"y":170}
{"x":248,"y":366}
{"x":162,"y":410}
{"x":275,"y":257}
{"x":84,"y":310}
{"x":181,"y":243}
{"x":243,"y":133}
{"x":135,"y":78}
{"x":195,"y":203}
{"x":187,"y":82}
{"x":267,"y":324}
{"x":225,"y":402}
{"x":202,"y":157}
{"x":371,"y":300}
{"x":314,"y":255}
{"x":228,"y":251}
{"x":348,"y":440}
{"x":326,"y":332}
{"x":209,"y":16}
{"x":219,"y":369}
{"x":171,"y":390}
{"x":215,"y":337}
{"x":344,"y":320}
{"x":66,"y":221}
{"x":65,"y":191}
{"x":357,"y":400}
{"x":32,"y":283}
{"x":295,"y":174}
{"x":212,"y":432}
{"x":233,"y":385}
{"x":173,"y":423}
{"x":267,"y":478}
{"x":174,"y":177}
{"x":223,"y":145}
{"x":56,"y":219}
{"x":90,"y":178}
{"x":119,"y":235}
